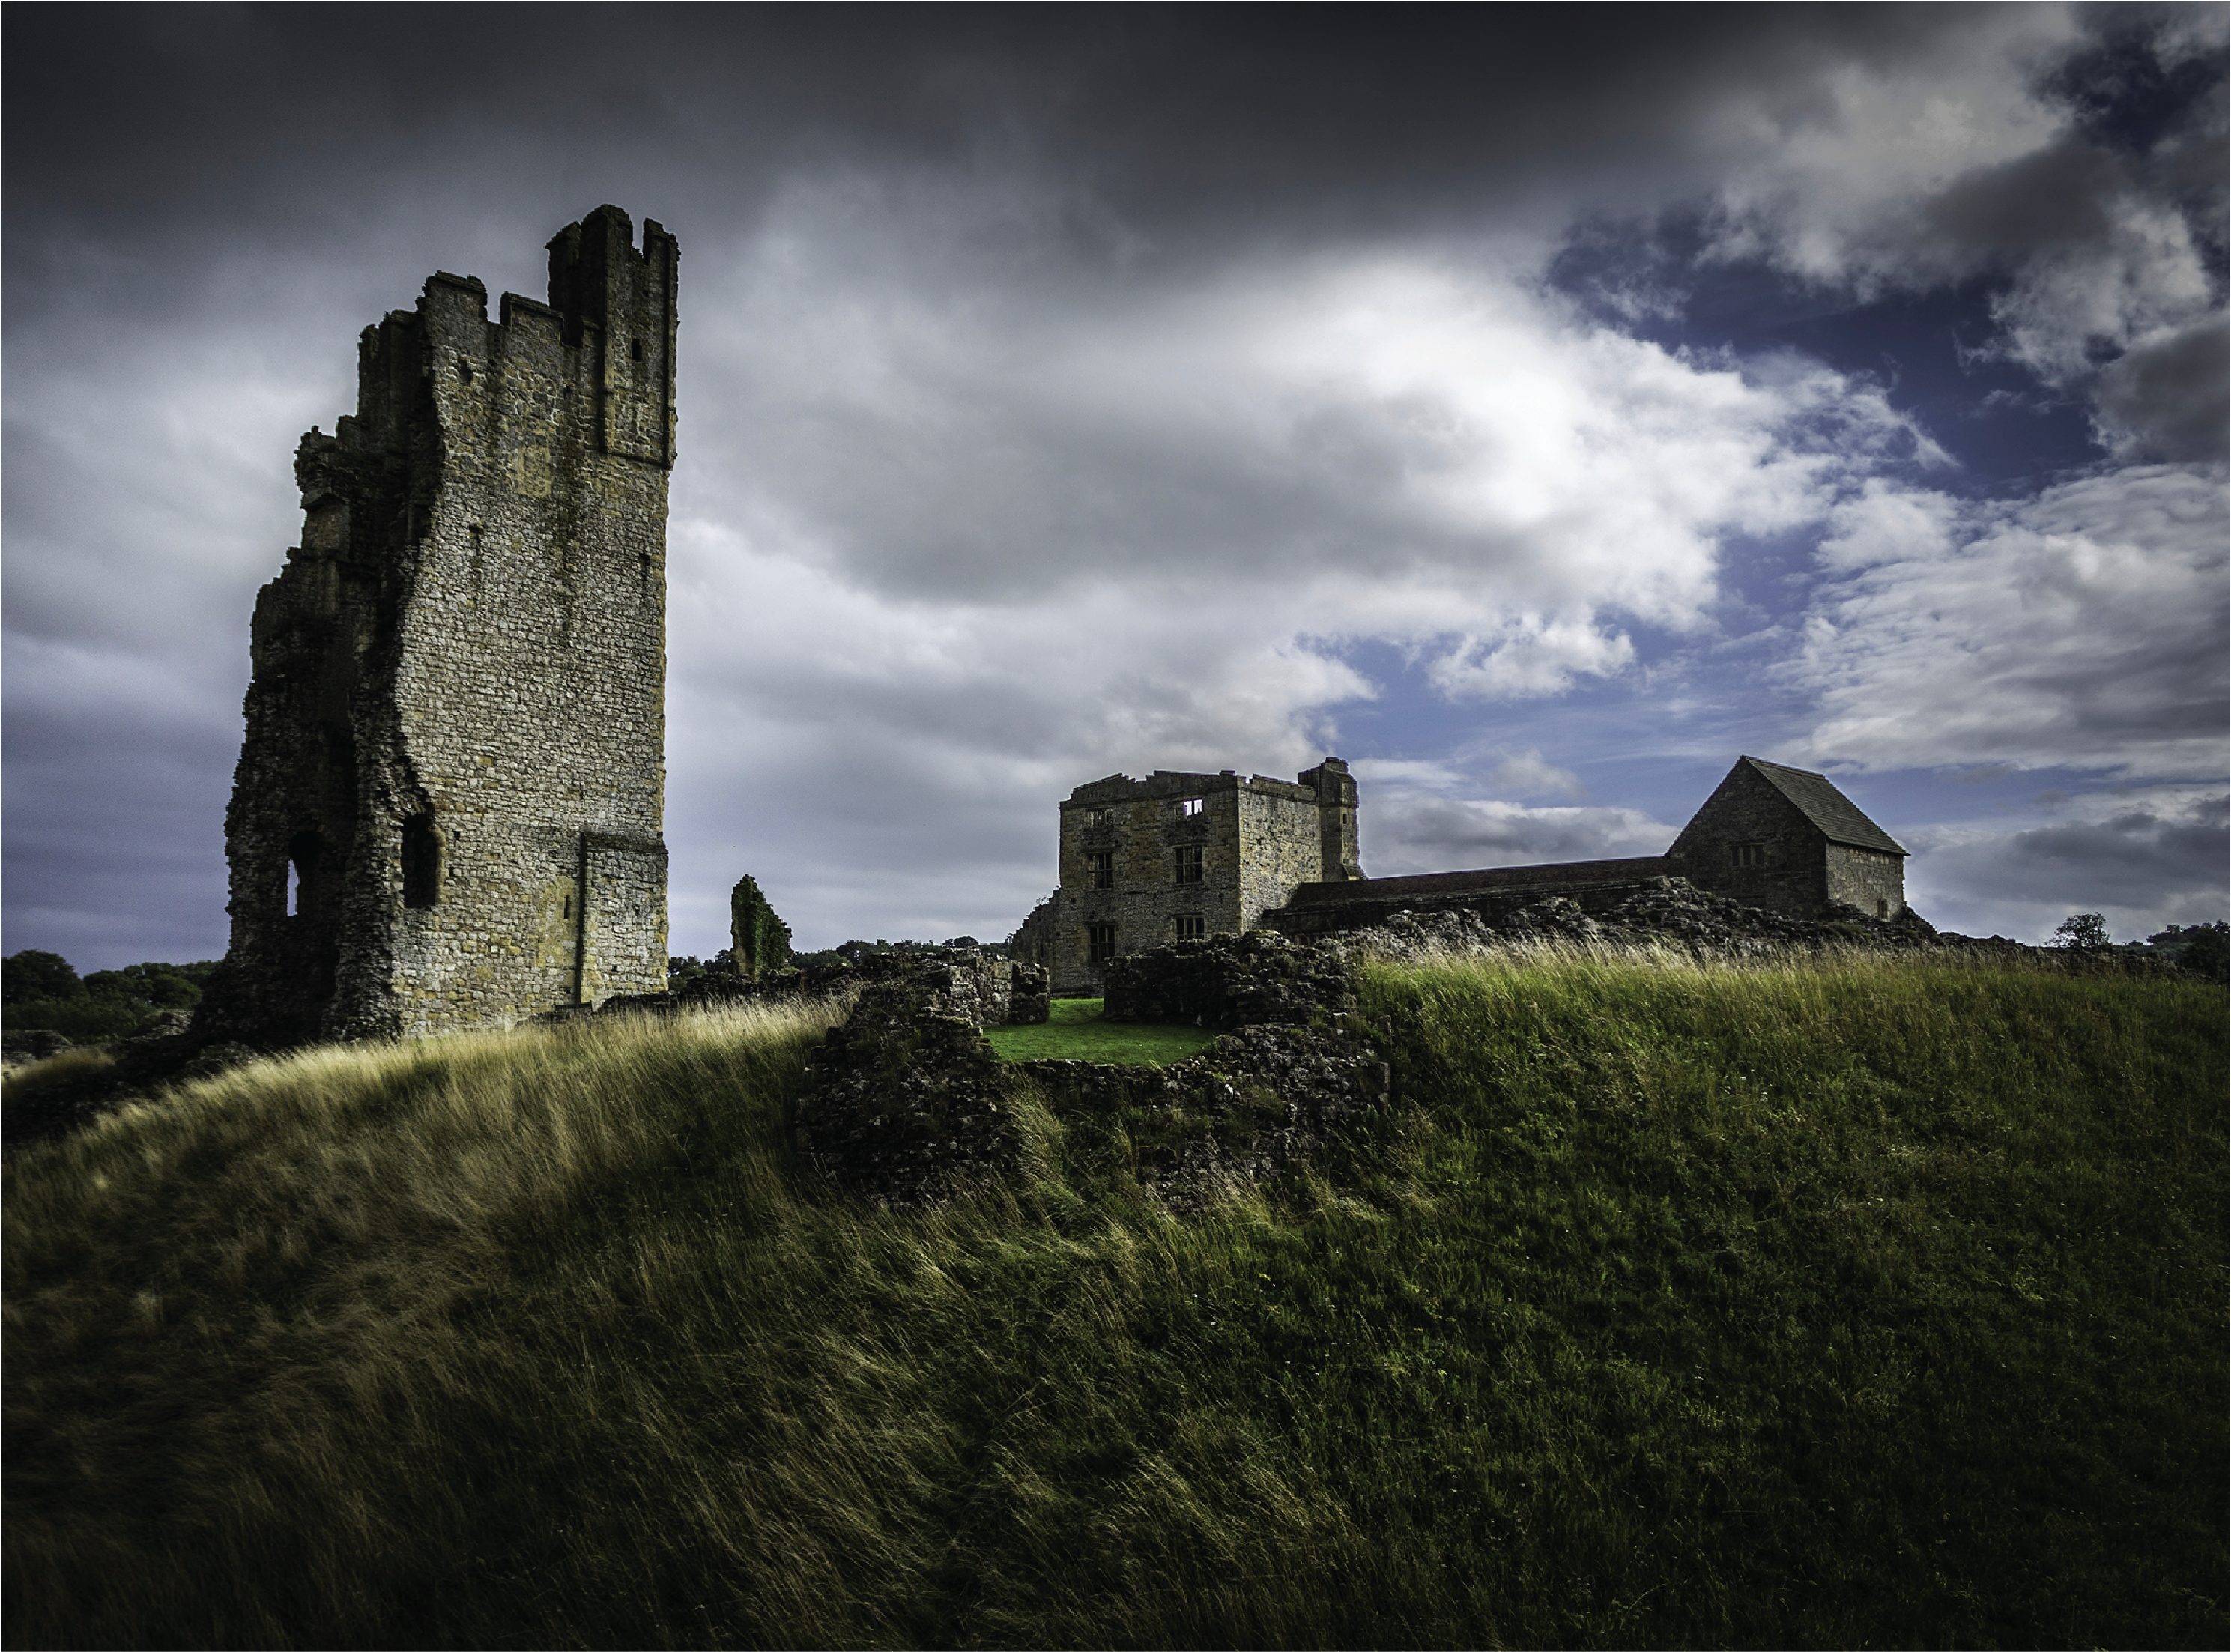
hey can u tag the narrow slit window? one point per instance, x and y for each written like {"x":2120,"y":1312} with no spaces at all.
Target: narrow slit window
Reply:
{"x":301,"y":872}
{"x":1189,"y":863}
{"x":422,"y":861}
{"x":1100,"y":942}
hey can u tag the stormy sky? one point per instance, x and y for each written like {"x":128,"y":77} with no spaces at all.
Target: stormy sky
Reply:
{"x":1538,"y":408}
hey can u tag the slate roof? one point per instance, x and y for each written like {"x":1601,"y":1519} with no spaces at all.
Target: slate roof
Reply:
{"x":1818,"y":801}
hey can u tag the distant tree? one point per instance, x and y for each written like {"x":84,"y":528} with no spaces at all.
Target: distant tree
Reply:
{"x":2082,"y":932}
{"x":26,"y":976}
{"x":41,"y":990}
{"x":680,"y":972}
{"x":2203,"y":950}
{"x":151,"y":985}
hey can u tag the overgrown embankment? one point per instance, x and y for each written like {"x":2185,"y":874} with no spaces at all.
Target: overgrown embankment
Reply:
{"x":1667,"y":1306}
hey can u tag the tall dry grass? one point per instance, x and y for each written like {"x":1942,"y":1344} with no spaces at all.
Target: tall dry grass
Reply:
{"x":1673,"y":1305}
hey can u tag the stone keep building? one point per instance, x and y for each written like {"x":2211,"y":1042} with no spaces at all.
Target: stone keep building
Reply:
{"x":448,"y":803}
{"x":1177,"y":856}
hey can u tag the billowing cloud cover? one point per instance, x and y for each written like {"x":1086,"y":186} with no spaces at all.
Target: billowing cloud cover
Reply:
{"x":1538,"y":412}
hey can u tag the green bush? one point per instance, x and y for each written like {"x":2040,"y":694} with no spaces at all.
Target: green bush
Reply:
{"x":34,"y":975}
{"x":83,"y":1018}
{"x":106,"y":1004}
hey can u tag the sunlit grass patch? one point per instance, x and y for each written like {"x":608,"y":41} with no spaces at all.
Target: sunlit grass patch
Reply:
{"x":35,"y":1076}
{"x":1075,"y":1032}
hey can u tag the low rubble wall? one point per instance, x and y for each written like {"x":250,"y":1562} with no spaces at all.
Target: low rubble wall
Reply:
{"x":909,"y":1105}
{"x":1259,"y":979}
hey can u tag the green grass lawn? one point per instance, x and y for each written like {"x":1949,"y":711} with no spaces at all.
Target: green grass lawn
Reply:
{"x":1860,"y":1304}
{"x":1074,"y":1032}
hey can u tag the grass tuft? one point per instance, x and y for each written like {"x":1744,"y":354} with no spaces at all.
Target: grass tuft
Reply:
{"x":35,"y":1075}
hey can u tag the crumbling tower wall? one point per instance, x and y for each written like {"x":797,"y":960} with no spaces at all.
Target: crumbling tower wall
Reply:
{"x":448,"y":803}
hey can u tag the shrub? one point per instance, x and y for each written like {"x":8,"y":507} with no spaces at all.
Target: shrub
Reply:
{"x":32,"y":975}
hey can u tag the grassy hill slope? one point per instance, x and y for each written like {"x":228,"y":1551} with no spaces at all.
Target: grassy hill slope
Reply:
{"x":1862,"y":1304}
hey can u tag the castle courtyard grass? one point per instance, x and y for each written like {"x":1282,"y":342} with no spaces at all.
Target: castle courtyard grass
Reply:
{"x":1073,"y":1031}
{"x":1857,"y":1304}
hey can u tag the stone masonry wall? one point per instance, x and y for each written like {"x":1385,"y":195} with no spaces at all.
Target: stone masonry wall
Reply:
{"x":1868,"y":878}
{"x":1259,"y":839}
{"x":1746,"y":811}
{"x":455,"y":723}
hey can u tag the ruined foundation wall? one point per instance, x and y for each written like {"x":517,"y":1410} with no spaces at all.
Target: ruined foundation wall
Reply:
{"x":455,"y":726}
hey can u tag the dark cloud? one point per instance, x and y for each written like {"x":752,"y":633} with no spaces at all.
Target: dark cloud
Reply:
{"x":1184,"y":119}
{"x":1060,"y":385}
{"x":2170,"y":398}
{"x":2143,"y":860}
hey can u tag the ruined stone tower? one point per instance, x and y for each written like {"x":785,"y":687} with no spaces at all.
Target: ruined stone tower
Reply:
{"x":448,"y":803}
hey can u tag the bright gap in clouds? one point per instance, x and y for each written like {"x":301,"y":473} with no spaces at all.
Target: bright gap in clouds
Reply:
{"x":991,"y":545}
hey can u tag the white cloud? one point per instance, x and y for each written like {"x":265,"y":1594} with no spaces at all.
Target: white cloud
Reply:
{"x":2085,"y":627}
{"x":957,"y":545}
{"x":1905,"y":176}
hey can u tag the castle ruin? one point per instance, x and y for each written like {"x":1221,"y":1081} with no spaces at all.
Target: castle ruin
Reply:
{"x":1181,"y":857}
{"x":449,"y":804}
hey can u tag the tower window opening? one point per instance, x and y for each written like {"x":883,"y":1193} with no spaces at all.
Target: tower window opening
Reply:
{"x":301,"y":872}
{"x":1103,"y":869}
{"x":1192,"y":926}
{"x":1189,"y":863}
{"x":422,"y":861}
{"x":1746,"y":856}
{"x":1100,"y":942}
{"x":1190,"y":807}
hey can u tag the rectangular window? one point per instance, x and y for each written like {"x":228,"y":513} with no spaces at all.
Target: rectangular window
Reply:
{"x":1097,"y":817}
{"x":1192,"y":926}
{"x":1100,"y":942}
{"x":1189,"y":863}
{"x":1103,"y":870}
{"x":1190,"y":807}
{"x":1747,"y":856}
